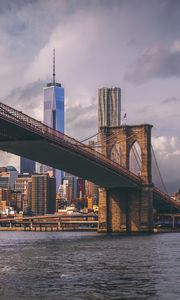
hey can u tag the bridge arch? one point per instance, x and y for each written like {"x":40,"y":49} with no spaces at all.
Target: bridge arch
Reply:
{"x":126,"y":136}
{"x":135,"y":158}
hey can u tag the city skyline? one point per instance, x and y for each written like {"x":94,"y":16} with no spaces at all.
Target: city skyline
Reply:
{"x":101,"y":235}
{"x":118,"y":45}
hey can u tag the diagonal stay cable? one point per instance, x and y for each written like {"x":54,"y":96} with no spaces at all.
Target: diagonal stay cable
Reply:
{"x":156,"y":163}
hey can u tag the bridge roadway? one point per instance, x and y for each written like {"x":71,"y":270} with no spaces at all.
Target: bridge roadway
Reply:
{"x":27,"y":137}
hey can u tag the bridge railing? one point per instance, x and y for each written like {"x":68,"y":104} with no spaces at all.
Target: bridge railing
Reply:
{"x":166,"y":197}
{"x":33,"y":125}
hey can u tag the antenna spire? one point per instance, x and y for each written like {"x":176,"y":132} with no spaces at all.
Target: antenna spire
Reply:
{"x":54,"y":74}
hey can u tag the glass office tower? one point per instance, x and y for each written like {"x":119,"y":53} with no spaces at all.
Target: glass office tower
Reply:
{"x":27,"y":165}
{"x":54,"y":112}
{"x":54,"y":106}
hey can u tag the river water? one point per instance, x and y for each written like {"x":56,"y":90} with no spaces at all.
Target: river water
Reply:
{"x":79,"y":265}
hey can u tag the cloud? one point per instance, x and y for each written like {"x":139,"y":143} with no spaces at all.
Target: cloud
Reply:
{"x":170,"y":100}
{"x":7,"y":159}
{"x":166,"y":146}
{"x":81,"y":120}
{"x":7,"y":5}
{"x":25,"y":28}
{"x":28,"y":98}
{"x":145,"y":109}
{"x":131,"y":43}
{"x":167,"y":151}
{"x":155,"y":62}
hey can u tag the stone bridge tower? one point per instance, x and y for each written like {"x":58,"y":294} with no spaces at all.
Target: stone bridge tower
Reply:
{"x":127,"y":209}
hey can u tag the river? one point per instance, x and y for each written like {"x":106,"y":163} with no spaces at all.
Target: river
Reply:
{"x":79,"y":265}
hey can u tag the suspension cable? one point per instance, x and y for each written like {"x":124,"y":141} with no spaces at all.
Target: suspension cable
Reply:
{"x":136,"y":157}
{"x":90,"y":137}
{"x":156,"y":163}
{"x":137,"y":153}
{"x":107,"y":139}
{"x":111,"y":138}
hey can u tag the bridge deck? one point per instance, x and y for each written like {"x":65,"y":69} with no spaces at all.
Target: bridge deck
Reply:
{"x":25,"y":136}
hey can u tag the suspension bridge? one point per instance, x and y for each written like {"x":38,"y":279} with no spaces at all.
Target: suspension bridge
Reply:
{"x":125,"y":199}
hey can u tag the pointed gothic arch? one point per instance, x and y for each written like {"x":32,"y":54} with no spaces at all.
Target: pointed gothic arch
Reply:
{"x":128,"y":135}
{"x":135,"y":158}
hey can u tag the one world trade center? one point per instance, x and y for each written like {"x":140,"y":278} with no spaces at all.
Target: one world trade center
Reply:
{"x":54,"y":111}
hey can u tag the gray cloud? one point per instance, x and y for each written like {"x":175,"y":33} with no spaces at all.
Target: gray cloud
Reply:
{"x":169,"y":17}
{"x":77,"y":111}
{"x":27,"y":92}
{"x":27,"y":98}
{"x":81,"y":120}
{"x":131,"y":43}
{"x":9,"y":159}
{"x":144,"y":109}
{"x":8,"y":5}
{"x":170,"y":100}
{"x":155,"y":62}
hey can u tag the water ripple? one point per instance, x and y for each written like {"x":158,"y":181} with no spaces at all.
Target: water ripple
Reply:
{"x":88,"y":266}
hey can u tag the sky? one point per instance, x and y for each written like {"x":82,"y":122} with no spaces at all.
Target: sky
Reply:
{"x":132,"y":44}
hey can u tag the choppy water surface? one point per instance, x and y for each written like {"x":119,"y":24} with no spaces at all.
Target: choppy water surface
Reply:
{"x":89,"y":266}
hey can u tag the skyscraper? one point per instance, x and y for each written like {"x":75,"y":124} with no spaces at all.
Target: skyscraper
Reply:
{"x":43,"y":194}
{"x":54,"y":111}
{"x":27,"y":165}
{"x":109,"y":107}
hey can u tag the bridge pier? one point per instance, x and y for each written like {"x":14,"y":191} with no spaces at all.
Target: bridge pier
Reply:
{"x":103,"y":210}
{"x":126,"y":210}
{"x":117,"y":210}
{"x":147,"y":208}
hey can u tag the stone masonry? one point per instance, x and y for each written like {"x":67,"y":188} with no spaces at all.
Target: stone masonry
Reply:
{"x":127,"y":209}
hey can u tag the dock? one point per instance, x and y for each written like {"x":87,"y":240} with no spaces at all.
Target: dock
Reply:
{"x":50,"y":223}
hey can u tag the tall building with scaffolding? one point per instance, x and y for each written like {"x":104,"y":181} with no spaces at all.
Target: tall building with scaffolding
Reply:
{"x":54,"y":111}
{"x":109,"y":107}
